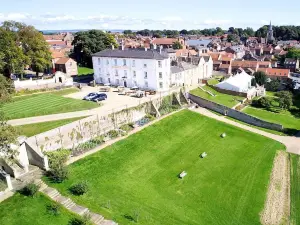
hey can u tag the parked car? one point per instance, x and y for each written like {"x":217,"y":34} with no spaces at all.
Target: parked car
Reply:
{"x":90,"y":96}
{"x":99,"y":97}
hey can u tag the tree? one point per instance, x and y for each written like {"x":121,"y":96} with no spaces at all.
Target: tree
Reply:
{"x":293,"y":53}
{"x":285,"y":99}
{"x":89,"y":42}
{"x":232,"y":38}
{"x":126,"y":32}
{"x":260,"y":77}
{"x":184,"y":32}
{"x":13,"y":58}
{"x":177,"y":45}
{"x":7,"y":133}
{"x":23,"y":45}
{"x":273,"y":85}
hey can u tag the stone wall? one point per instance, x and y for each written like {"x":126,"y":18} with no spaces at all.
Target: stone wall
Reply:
{"x":234,"y":113}
{"x":75,"y":133}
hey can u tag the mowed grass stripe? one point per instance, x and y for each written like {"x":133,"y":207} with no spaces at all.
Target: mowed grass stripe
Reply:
{"x":44,"y":104}
{"x":140,"y":174}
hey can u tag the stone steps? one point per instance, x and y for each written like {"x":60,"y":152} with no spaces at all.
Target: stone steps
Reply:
{"x":70,"y":205}
{"x":96,"y":218}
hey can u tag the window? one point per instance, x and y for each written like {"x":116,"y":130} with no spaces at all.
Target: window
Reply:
{"x":133,"y":63}
{"x":159,"y":64}
{"x":124,"y":62}
{"x":107,"y":62}
{"x":160,"y":75}
{"x":100,"y":80}
{"x":134,"y":83}
{"x":117,"y":81}
{"x":108,"y":74}
{"x":134,"y":73}
{"x":161,"y":85}
{"x":108,"y":79}
{"x":116,"y":62}
{"x":70,"y":63}
{"x":116,"y":72}
{"x":146,"y":84}
{"x":99,"y":61}
{"x":145,"y":65}
{"x":145,"y":75}
{"x":125,"y":73}
{"x":100,"y":70}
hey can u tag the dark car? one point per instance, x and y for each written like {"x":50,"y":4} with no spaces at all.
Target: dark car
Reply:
{"x":90,"y":96}
{"x":99,"y":97}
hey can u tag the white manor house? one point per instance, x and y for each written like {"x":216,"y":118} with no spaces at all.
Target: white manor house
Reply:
{"x":150,"y":69}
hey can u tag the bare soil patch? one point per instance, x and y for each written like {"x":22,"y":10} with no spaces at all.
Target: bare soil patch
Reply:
{"x":277,"y":205}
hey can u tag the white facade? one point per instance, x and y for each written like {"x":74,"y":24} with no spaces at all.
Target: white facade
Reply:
{"x":129,"y":72}
{"x":193,"y":74}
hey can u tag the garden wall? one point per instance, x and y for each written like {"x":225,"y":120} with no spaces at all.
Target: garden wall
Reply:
{"x":75,"y":133}
{"x":234,"y":113}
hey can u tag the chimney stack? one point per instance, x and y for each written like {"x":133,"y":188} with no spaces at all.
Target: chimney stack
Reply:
{"x":154,"y":46}
{"x":160,"y":48}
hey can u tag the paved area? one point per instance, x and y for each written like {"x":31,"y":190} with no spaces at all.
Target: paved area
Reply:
{"x":292,"y":143}
{"x":114,"y":102}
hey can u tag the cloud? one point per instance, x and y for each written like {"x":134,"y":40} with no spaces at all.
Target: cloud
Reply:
{"x":51,"y":21}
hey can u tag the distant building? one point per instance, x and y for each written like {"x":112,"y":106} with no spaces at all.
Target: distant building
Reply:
{"x":148,"y":69}
{"x":291,"y":64}
{"x":67,"y":66}
{"x":270,"y":35}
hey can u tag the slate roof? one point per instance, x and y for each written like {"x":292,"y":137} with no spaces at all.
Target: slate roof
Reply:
{"x":198,"y":42}
{"x":132,"y":53}
{"x":176,"y":69}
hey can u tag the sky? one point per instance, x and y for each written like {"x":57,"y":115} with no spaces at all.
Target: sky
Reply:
{"x":153,"y":14}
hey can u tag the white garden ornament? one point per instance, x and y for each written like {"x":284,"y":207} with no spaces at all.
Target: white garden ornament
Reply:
{"x":182,"y":174}
{"x":223,"y":135}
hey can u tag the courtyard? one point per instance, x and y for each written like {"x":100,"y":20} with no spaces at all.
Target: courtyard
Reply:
{"x":138,"y":176}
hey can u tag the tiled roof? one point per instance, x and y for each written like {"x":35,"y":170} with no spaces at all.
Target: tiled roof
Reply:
{"x":265,"y":63}
{"x":244,"y":64}
{"x":164,"y":41}
{"x":184,"y":52}
{"x":56,"y":43}
{"x":225,"y":58}
{"x":275,"y":72}
{"x":224,"y":66}
{"x":54,"y":37}
{"x":57,"y":54}
{"x":62,"y":61}
{"x":133,"y":53}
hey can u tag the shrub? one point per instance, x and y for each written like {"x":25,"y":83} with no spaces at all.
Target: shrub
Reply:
{"x":3,"y":185}
{"x":150,"y":117}
{"x":113,"y":134}
{"x":54,"y":209}
{"x":126,"y":127}
{"x":57,"y":160}
{"x":263,"y":102}
{"x":79,"y":189}
{"x":30,"y":190}
{"x":79,"y":221}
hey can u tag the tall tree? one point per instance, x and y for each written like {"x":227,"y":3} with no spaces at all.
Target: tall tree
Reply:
{"x":260,"y":78}
{"x":177,"y":45}
{"x":23,"y":45}
{"x":12,"y":57}
{"x":7,"y":133}
{"x":293,"y":53}
{"x":89,"y":42}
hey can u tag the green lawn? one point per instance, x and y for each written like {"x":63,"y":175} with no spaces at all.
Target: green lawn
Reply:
{"x":295,"y":187}
{"x":224,"y":99}
{"x":213,"y":81}
{"x":84,"y":71}
{"x":37,"y":128}
{"x":289,"y":122}
{"x":44,"y":104}
{"x":22,"y":210}
{"x":139,"y":175}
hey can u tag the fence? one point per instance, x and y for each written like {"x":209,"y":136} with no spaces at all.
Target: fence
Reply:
{"x":234,"y":113}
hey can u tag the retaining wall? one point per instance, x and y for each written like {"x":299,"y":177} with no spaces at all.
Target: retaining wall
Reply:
{"x":234,"y":113}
